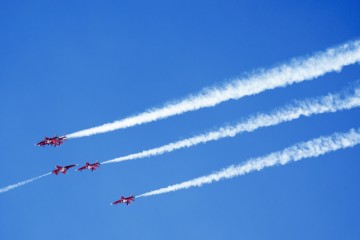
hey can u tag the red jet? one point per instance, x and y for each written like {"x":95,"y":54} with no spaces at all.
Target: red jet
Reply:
{"x":124,"y":200}
{"x":90,"y":166}
{"x":53,"y":141}
{"x":63,"y":170}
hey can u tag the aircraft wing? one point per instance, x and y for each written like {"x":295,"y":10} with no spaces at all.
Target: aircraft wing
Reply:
{"x":80,"y":169}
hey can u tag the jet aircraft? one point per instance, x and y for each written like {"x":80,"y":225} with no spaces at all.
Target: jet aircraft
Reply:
{"x":126,"y":200}
{"x":53,"y":141}
{"x":89,"y":166}
{"x":60,"y":169}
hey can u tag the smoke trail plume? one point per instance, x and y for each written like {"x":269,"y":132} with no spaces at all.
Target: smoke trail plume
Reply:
{"x":347,"y":99}
{"x":312,"y":148}
{"x":10,"y":187}
{"x":298,"y":70}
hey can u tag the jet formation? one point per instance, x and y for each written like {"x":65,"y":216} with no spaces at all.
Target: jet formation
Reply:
{"x":57,"y":141}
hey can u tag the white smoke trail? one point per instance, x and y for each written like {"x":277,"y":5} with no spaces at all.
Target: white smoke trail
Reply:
{"x":298,"y":70}
{"x":330,"y":103}
{"x":10,"y":187}
{"x":312,"y":148}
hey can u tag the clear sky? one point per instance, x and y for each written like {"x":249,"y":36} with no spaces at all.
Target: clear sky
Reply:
{"x":70,"y":65}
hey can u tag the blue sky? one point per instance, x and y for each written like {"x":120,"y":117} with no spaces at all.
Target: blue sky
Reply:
{"x":67,"y":66}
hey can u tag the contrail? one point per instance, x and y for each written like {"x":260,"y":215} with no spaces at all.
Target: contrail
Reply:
{"x":312,"y":148}
{"x":346,"y":99}
{"x":297,"y":70}
{"x":10,"y":187}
